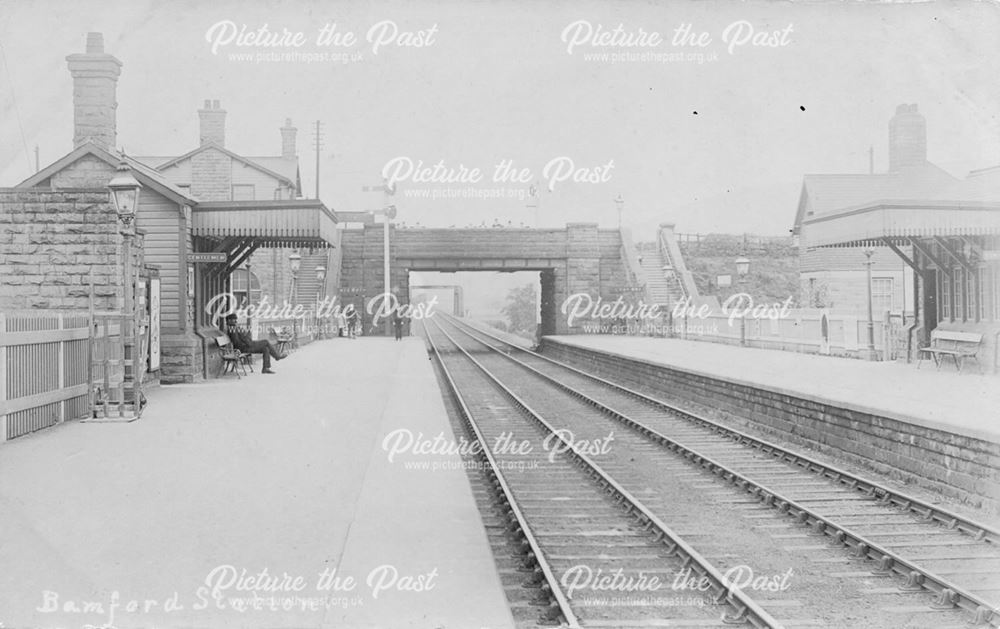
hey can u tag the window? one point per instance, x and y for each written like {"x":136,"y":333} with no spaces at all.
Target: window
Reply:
{"x":958,"y":305}
{"x":881,"y":296}
{"x":970,"y":292}
{"x":243,"y":192}
{"x":989,"y":293}
{"x":239,"y":286}
{"x":944,"y":293}
{"x":994,"y":289}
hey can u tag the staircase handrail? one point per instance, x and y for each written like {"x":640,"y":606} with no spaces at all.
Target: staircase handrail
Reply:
{"x":671,"y":252}
{"x":630,"y":259}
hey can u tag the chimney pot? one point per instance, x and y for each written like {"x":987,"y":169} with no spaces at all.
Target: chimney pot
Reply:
{"x":95,"y":43}
{"x":212,"y":127}
{"x":288,"y":133}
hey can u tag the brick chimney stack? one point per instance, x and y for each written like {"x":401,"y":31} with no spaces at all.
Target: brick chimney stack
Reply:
{"x":213,"y":123}
{"x":288,"y":133}
{"x":95,"y":84}
{"x":907,"y":138}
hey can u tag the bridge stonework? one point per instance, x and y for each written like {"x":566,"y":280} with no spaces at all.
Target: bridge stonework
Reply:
{"x":577,"y":259}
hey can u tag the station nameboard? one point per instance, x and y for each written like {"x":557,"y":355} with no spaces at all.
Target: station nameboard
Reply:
{"x":207,"y":257}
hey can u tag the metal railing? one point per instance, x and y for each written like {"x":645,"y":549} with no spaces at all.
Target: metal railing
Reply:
{"x":633,"y":268}
{"x":671,"y":253}
{"x":800,"y":330}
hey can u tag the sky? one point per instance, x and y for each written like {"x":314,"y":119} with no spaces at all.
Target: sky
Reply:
{"x":593,"y":99}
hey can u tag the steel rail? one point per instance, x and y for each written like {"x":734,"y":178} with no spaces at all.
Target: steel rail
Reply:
{"x":559,"y":598}
{"x":746,"y":609}
{"x":974,"y":528}
{"x":918,"y":578}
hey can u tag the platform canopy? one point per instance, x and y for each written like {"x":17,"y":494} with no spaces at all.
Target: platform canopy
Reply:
{"x":898,"y":221}
{"x":238,"y":228}
{"x":283,"y":223}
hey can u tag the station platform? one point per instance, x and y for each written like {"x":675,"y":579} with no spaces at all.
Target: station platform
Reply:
{"x":961,"y":403}
{"x":269,"y":501}
{"x":936,"y":430}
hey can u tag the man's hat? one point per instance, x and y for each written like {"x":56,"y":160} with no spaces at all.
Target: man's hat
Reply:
{"x":231,"y":317}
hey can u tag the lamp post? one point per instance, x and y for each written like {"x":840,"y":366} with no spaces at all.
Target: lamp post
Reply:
{"x":389,"y":212}
{"x":320,"y":276}
{"x":869,"y":252}
{"x":294,"y":263}
{"x":125,"y":197}
{"x":742,"y":267}
{"x":249,"y":300}
{"x":620,"y":204}
{"x":742,"y":270}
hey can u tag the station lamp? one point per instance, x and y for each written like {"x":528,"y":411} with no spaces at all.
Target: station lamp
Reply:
{"x":742,"y":266}
{"x":124,"y":189}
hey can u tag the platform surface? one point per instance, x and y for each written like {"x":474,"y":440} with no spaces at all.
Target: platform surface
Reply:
{"x":285,"y":473}
{"x":962,"y":403}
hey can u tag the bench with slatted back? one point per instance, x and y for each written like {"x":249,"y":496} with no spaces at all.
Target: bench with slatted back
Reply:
{"x":232,"y":358}
{"x":958,"y":345}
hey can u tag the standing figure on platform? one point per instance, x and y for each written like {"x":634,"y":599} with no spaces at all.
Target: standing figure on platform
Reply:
{"x":353,"y":323}
{"x":242,"y":341}
{"x":397,"y":325}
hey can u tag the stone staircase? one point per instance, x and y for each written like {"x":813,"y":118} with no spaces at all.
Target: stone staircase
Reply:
{"x":308,"y":287}
{"x":661,"y":290}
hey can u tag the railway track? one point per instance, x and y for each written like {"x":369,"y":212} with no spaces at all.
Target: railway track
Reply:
{"x":594,"y":553}
{"x":916,"y":563}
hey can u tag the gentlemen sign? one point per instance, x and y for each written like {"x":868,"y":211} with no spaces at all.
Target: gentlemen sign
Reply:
{"x":207,"y":257}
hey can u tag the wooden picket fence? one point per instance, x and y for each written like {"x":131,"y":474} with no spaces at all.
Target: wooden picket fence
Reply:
{"x":59,"y":366}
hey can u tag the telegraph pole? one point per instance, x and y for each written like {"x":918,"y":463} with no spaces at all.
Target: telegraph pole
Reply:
{"x":389,"y":212}
{"x":318,"y":145}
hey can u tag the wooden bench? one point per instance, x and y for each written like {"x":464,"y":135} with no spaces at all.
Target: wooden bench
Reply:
{"x":232,"y":359}
{"x":958,"y":345}
{"x":285,"y":339}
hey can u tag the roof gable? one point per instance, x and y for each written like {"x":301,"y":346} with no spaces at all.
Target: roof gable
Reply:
{"x":281,"y":169}
{"x":144,"y":174}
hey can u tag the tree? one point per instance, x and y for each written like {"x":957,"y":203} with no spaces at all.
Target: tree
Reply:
{"x":520,"y":310}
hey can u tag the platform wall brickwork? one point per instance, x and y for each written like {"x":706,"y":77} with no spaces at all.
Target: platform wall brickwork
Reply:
{"x":960,"y":467}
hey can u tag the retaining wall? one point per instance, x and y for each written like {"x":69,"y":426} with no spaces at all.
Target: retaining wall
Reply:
{"x":964,"y":467}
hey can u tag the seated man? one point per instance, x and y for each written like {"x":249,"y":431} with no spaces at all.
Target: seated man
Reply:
{"x":242,"y":341}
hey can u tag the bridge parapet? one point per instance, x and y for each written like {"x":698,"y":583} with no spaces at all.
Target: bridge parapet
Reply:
{"x":580,"y":258}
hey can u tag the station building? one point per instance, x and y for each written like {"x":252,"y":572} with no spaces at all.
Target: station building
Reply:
{"x":200,"y":217}
{"x":934,"y":240}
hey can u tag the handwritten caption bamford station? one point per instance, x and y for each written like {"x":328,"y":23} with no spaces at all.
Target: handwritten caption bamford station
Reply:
{"x":229,"y":588}
{"x":585,"y":35}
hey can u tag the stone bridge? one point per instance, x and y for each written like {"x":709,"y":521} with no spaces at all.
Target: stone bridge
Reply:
{"x":579,"y":258}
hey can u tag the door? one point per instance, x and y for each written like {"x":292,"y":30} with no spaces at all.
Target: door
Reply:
{"x":930,"y":305}
{"x":154,"y":324}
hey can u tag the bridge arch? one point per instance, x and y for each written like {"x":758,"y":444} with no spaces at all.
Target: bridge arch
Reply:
{"x":579,"y":258}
